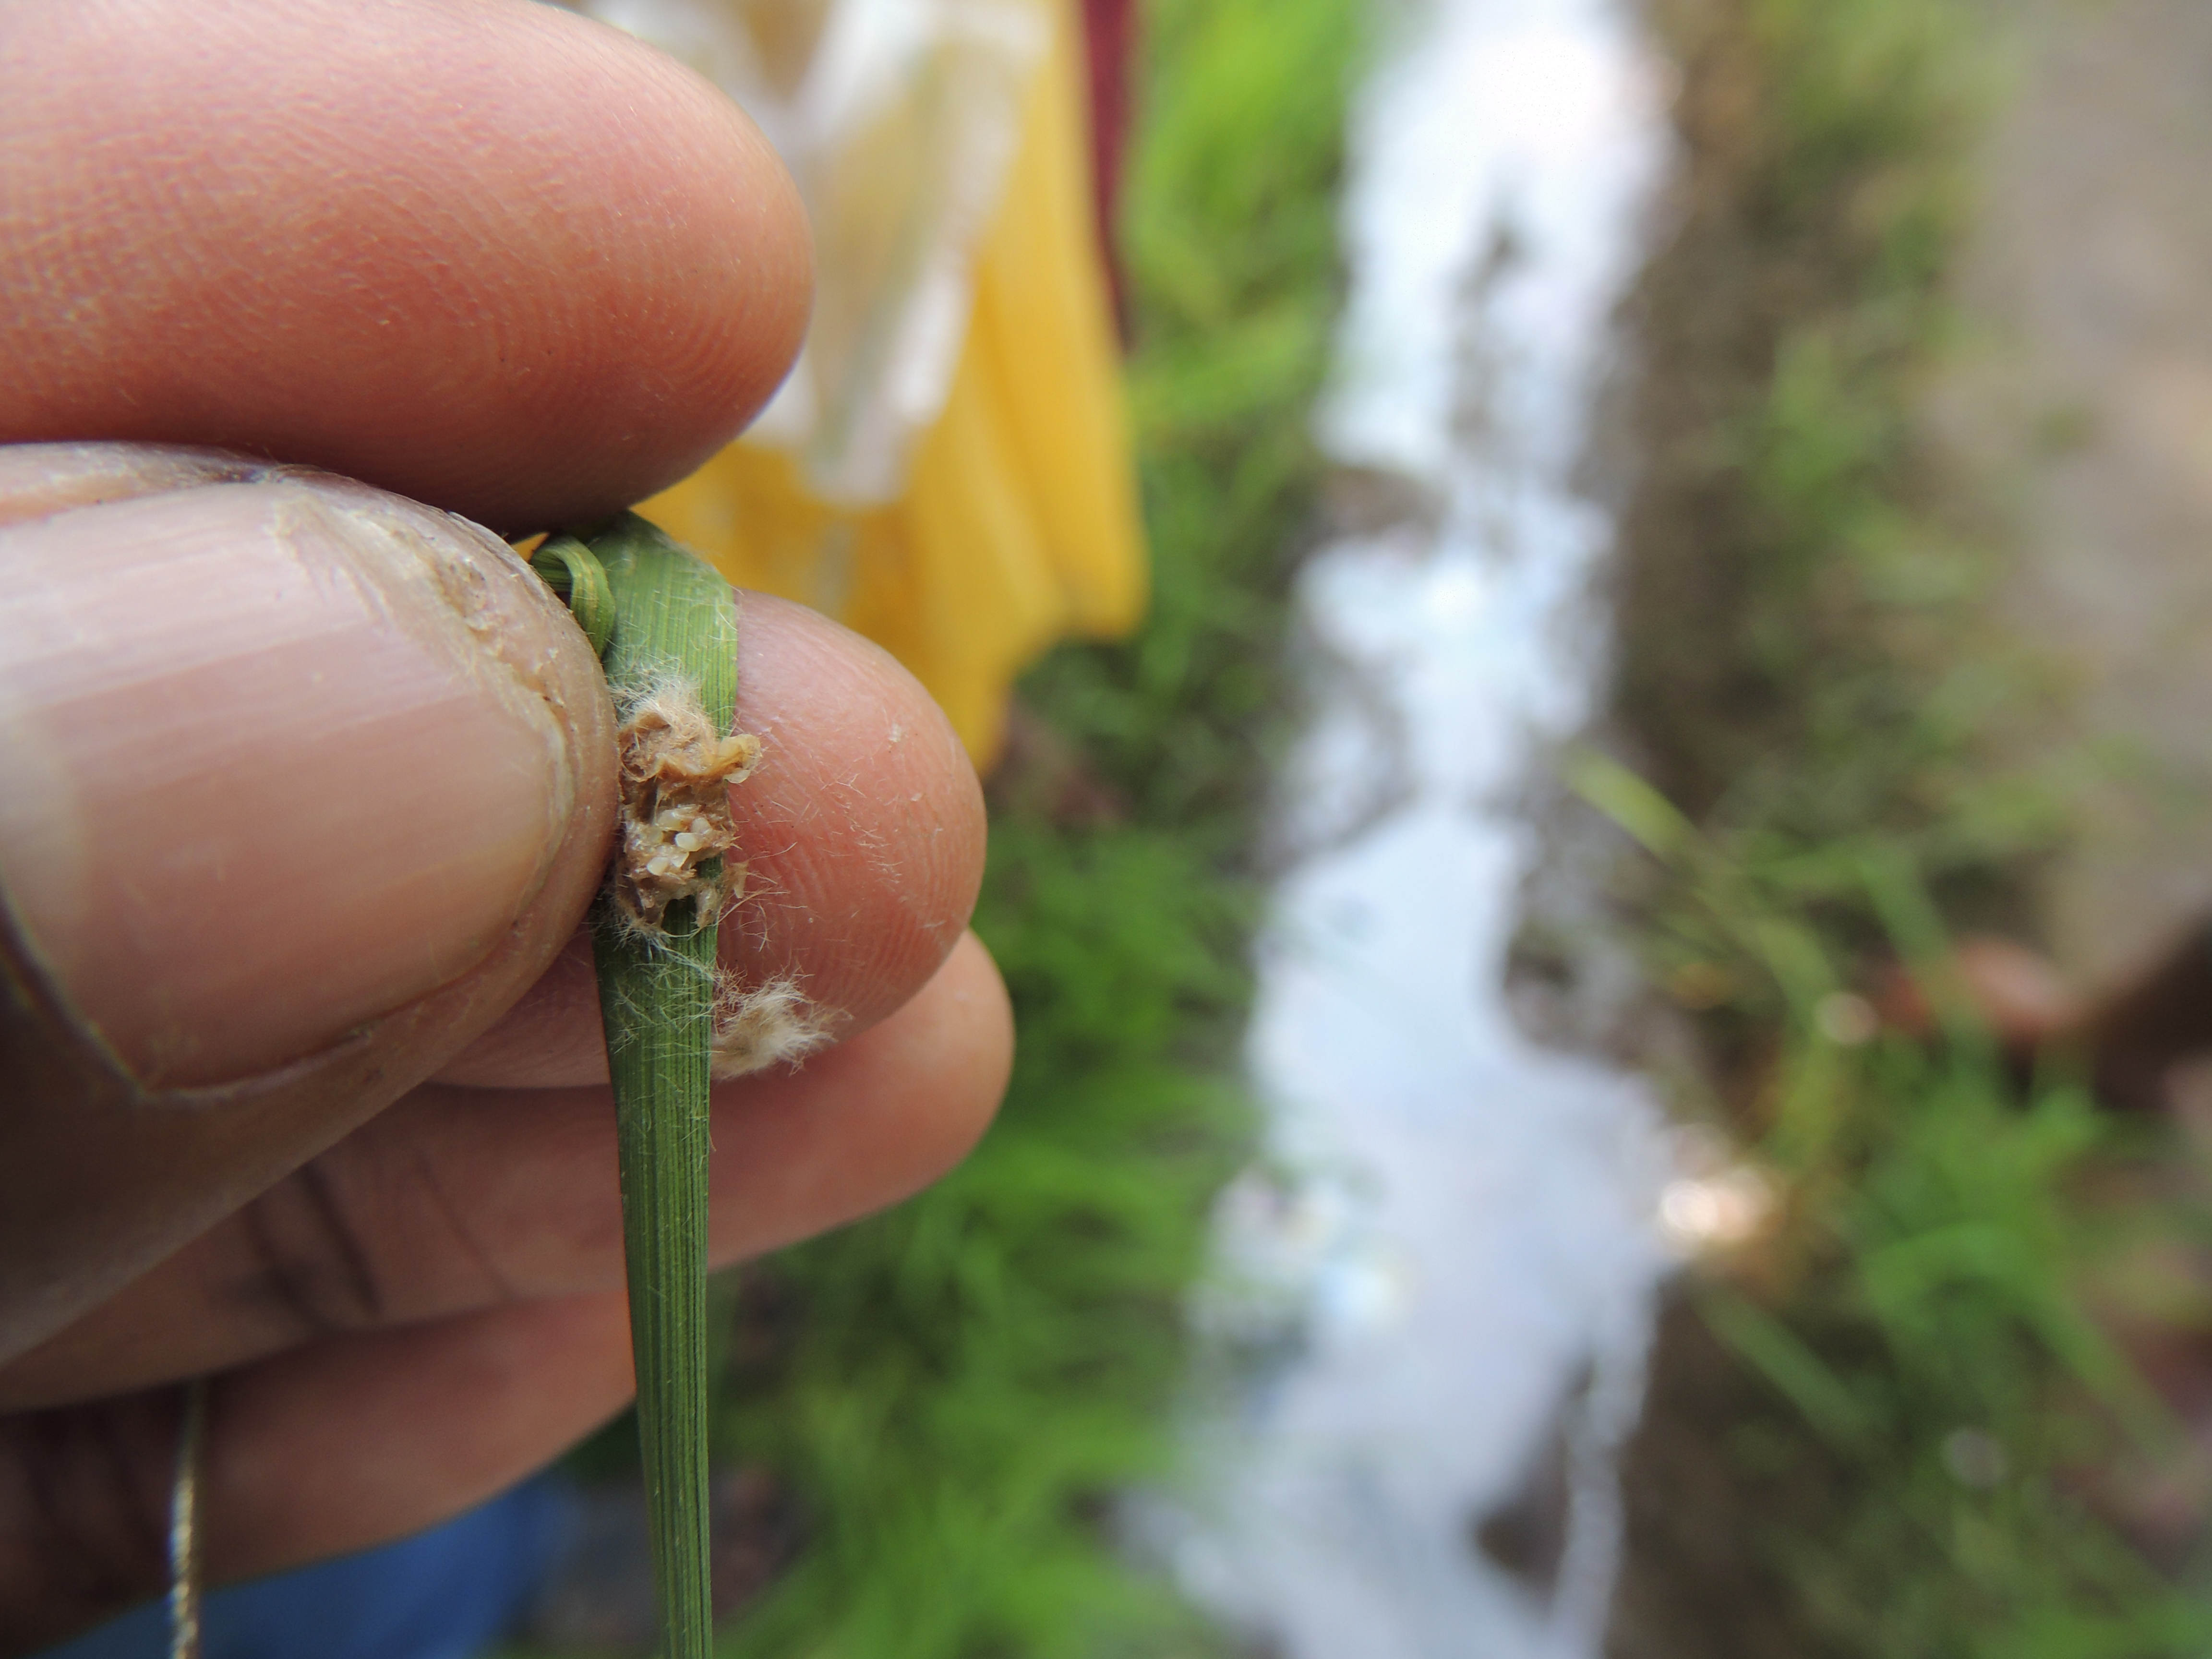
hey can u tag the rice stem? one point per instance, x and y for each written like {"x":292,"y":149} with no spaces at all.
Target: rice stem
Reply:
{"x":671,"y":623}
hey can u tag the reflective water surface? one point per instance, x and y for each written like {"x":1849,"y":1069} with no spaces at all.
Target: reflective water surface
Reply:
{"x":1433,"y":1296}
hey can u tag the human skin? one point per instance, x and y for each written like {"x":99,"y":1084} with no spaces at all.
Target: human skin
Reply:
{"x":495,"y":258}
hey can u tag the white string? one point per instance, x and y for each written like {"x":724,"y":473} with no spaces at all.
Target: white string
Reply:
{"x":185,"y":1540}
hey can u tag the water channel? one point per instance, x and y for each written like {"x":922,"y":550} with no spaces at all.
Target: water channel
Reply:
{"x":1433,"y":1295}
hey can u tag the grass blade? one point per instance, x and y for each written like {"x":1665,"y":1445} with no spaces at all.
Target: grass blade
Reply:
{"x":673,"y":637}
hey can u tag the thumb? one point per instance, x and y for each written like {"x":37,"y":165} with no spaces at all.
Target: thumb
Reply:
{"x":302,"y":785}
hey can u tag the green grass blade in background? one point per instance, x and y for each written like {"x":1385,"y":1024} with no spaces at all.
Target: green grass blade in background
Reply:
{"x":955,"y":1394}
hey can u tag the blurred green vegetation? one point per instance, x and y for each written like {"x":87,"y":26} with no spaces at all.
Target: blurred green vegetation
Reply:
{"x":1820,"y":711}
{"x":1931,"y":1405}
{"x":953,"y":1393}
{"x":1807,"y":667}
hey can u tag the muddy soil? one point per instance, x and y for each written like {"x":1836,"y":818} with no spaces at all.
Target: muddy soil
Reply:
{"x":2082,"y":400}
{"x":1697,"y":1579}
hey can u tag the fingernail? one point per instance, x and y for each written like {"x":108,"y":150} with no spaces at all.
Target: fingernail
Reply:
{"x":277,"y":756}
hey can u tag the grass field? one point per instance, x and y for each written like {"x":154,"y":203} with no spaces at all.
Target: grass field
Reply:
{"x":953,"y":1392}
{"x":1901,"y":1393}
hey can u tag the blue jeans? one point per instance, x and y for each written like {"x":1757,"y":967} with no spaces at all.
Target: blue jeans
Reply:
{"x":449,"y":1593}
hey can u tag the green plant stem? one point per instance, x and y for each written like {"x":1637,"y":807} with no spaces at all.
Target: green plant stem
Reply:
{"x":672,"y":615}
{"x":572,"y":571}
{"x":657,"y":1001}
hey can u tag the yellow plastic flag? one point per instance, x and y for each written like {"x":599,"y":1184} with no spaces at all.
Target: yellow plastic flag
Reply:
{"x":1019,"y":525}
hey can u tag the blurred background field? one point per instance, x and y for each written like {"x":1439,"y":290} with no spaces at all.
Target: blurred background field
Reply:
{"x":1915,"y":1417}
{"x":953,"y":1395}
{"x":1890,"y":530}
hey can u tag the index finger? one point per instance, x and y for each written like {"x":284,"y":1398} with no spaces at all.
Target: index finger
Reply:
{"x":494,"y":256}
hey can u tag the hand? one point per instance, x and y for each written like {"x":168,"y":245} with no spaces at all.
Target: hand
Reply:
{"x":302,"y":796}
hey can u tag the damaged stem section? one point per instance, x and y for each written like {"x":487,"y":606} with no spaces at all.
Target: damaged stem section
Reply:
{"x":671,"y":661}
